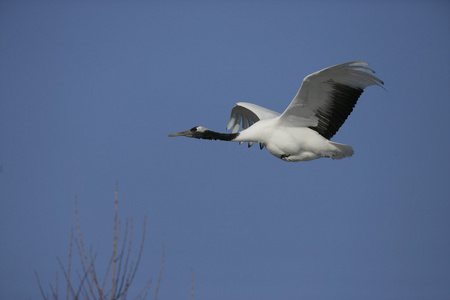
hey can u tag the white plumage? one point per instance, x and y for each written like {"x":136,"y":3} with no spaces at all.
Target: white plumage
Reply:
{"x":302,"y":131}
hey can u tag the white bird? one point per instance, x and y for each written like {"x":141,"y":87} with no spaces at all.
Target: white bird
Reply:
{"x":302,"y":131}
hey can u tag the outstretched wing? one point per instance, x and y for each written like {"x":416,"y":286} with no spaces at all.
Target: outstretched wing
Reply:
{"x":246,"y":114}
{"x":327,"y":97}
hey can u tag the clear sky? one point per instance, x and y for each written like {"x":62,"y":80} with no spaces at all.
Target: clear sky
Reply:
{"x":90,"y":91}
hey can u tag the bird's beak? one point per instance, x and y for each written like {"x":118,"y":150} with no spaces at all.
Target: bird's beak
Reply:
{"x":183,"y":133}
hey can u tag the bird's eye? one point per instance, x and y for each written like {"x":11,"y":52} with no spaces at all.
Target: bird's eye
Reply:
{"x":194,"y":129}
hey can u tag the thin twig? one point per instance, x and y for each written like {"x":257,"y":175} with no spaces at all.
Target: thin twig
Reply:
{"x":160,"y":272}
{"x":134,"y":269}
{"x":69,"y":263}
{"x":114,"y":241}
{"x":82,"y":280}
{"x":65,"y":274}
{"x":82,"y":288}
{"x":92,"y":268}
{"x":93,"y":277}
{"x":124,"y":278}
{"x":119,"y":259}
{"x":40,"y":286}
{"x":85,"y":270}
{"x":144,"y":291}
{"x":119,"y":286}
{"x":108,"y":268}
{"x":55,"y":291}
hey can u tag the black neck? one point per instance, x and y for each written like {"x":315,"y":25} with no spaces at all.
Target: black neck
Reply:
{"x":212,"y":135}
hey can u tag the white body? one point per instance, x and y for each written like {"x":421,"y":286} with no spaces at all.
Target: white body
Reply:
{"x":292,"y":143}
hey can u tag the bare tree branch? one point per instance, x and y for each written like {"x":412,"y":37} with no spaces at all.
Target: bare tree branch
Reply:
{"x":123,"y":270}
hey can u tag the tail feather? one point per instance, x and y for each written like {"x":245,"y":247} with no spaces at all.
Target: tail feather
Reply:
{"x":343,"y":151}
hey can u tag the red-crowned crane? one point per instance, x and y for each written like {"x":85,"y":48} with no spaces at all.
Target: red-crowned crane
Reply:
{"x":303,"y":131}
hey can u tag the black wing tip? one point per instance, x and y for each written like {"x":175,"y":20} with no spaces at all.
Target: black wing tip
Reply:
{"x":343,"y":100}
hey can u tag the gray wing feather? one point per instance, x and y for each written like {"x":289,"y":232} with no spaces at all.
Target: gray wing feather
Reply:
{"x":246,"y":114}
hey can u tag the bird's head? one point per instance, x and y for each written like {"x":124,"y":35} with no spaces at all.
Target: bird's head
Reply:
{"x":195,"y":132}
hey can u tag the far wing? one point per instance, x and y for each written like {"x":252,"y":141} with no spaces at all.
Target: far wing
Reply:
{"x":246,"y":114}
{"x":327,"y":97}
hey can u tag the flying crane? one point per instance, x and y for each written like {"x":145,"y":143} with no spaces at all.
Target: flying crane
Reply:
{"x":303,"y":131}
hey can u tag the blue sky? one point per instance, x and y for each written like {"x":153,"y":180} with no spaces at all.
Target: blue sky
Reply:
{"x":90,"y":91}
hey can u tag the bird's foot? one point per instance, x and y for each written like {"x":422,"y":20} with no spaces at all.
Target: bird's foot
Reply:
{"x":284,"y":156}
